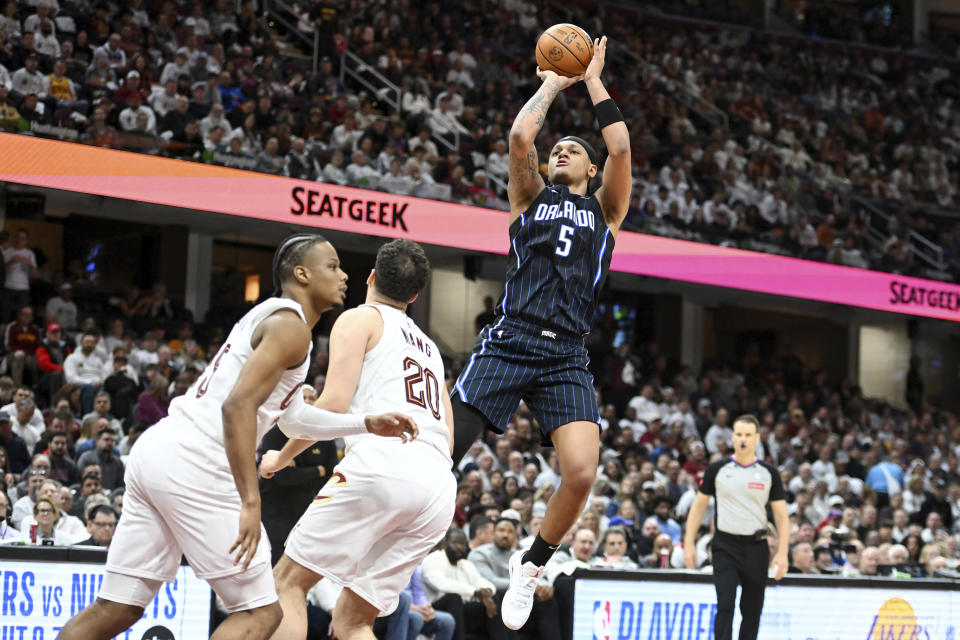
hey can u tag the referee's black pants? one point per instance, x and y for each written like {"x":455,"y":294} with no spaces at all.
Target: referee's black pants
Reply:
{"x":743,"y":562}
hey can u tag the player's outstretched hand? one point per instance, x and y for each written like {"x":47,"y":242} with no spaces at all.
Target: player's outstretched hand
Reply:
{"x":595,"y":68}
{"x":270,"y":463}
{"x":547,"y":76}
{"x":249,"y":535}
{"x":393,"y":425}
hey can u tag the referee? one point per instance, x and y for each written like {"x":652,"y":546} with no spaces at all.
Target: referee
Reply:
{"x":743,"y":487}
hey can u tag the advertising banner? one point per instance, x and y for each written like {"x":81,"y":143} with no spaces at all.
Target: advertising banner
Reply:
{"x":647,"y":610}
{"x":190,"y":185}
{"x":38,"y":598}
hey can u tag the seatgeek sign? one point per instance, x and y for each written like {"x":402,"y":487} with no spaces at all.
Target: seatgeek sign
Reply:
{"x":647,"y":610}
{"x":120,"y":174}
{"x":38,"y":598}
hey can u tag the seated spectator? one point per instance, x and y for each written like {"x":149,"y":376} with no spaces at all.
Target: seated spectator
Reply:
{"x":802,"y":559}
{"x":269,"y":160}
{"x":10,"y":119}
{"x":101,"y":525}
{"x":105,"y":455}
{"x":167,"y":100}
{"x":869,"y":561}
{"x":22,"y":423}
{"x":301,"y":164}
{"x":63,"y":92}
{"x":662,"y":509}
{"x":100,"y":133}
{"x":66,"y":529}
{"x":7,"y":531}
{"x":152,"y":404}
{"x":395,"y":180}
{"x":45,"y":516}
{"x":454,"y":585}
{"x":130,"y":88}
{"x":28,"y":79}
{"x":113,"y":52}
{"x":492,"y":561}
{"x":101,"y":409}
{"x":214,"y":119}
{"x":14,"y":446}
{"x":615,"y":547}
{"x":23,"y":507}
{"x":189,"y":143}
{"x":62,"y":467}
{"x":129,"y":117}
{"x":83,"y":368}
{"x":21,"y":339}
{"x":424,"y":619}
{"x":360,"y":173}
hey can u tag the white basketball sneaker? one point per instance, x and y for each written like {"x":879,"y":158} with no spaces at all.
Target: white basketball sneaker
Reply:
{"x":518,"y":601}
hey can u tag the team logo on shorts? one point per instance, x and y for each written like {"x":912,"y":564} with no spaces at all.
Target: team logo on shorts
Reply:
{"x":336,"y":480}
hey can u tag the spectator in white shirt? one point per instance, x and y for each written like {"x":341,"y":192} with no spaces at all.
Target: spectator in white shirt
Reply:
{"x":173,"y":70}
{"x":135,"y":108}
{"x":460,"y":54}
{"x":455,"y":100}
{"x":773,"y":209}
{"x":84,"y":368}
{"x":422,"y":140}
{"x":23,"y":425}
{"x":45,"y":41}
{"x":360,"y":173}
{"x":460,"y":75}
{"x":114,"y":52}
{"x":165,"y":100}
{"x":347,"y":134}
{"x":333,"y":172}
{"x":214,"y":119}
{"x":823,"y":468}
{"x":24,"y":393}
{"x":32,"y":22}
{"x":498,"y":161}
{"x":28,"y":79}
{"x":720,"y":434}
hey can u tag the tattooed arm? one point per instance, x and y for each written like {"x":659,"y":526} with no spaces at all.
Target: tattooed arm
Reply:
{"x":525,"y":183}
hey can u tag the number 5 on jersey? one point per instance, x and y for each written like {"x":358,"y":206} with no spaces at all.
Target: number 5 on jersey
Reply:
{"x":564,"y":241}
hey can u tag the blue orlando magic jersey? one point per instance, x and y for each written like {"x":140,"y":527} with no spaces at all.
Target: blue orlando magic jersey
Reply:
{"x":560,"y":250}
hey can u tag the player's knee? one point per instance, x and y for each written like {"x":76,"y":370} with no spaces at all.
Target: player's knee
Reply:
{"x":579,"y":479}
{"x":269,"y":616}
{"x":123,"y":614}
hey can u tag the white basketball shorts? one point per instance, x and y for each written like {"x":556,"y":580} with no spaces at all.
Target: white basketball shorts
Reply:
{"x":384,"y":508}
{"x":181,"y":499}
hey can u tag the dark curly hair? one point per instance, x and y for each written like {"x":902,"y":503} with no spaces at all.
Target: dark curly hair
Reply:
{"x":402,"y":270}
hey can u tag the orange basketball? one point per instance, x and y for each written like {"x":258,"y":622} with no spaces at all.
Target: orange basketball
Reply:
{"x":565,"y":49}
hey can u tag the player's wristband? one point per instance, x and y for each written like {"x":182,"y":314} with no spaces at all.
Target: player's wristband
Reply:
{"x":607,"y":113}
{"x":306,"y":422}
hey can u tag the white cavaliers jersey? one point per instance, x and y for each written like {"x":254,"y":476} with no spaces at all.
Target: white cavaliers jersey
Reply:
{"x":202,"y":403}
{"x":403,"y":374}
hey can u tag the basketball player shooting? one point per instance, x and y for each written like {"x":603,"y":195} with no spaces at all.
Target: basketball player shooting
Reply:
{"x":192,"y":478}
{"x":561,"y":240}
